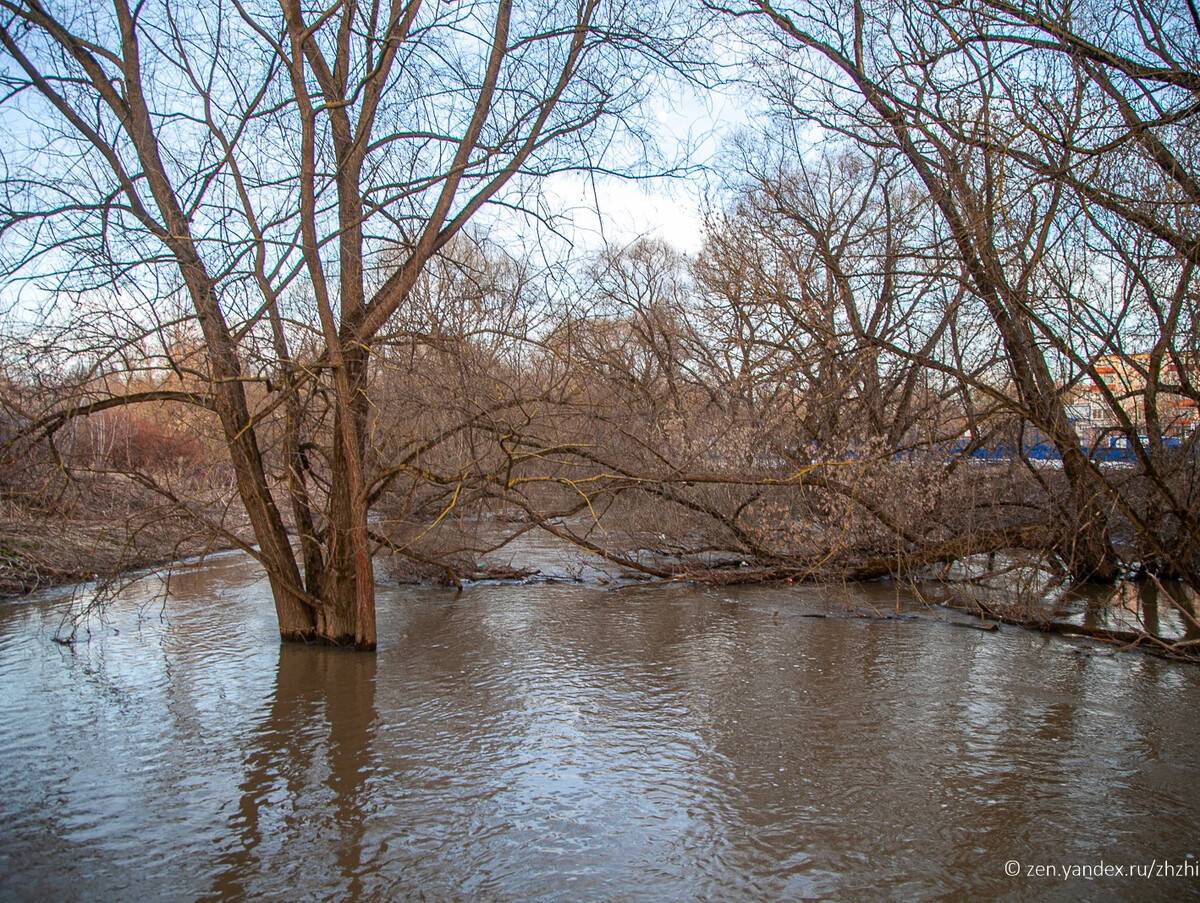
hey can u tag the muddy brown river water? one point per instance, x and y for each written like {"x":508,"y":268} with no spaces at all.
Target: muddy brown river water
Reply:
{"x":570,"y":742}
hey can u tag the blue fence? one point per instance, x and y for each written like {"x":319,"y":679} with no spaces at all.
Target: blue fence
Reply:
{"x":1113,"y":450}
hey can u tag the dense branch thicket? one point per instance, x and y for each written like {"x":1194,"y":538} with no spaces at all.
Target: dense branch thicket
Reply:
{"x":945,"y":309}
{"x":1056,"y":147}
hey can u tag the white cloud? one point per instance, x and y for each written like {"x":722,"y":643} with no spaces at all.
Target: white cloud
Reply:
{"x":616,"y":211}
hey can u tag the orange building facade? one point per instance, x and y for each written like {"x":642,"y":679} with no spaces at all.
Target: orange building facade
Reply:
{"x":1125,"y":377}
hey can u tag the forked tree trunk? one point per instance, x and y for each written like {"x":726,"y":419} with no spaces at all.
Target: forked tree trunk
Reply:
{"x":346,"y":613}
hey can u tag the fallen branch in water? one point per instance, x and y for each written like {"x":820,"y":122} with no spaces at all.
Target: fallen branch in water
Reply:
{"x":1034,"y":537}
{"x":1180,"y":650}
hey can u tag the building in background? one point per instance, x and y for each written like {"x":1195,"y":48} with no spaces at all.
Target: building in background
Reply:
{"x":1126,"y":378}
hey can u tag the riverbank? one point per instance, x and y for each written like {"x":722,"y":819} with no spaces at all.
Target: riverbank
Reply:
{"x":38,"y":552}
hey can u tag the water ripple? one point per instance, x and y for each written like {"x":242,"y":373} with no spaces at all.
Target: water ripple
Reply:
{"x":563,"y":743}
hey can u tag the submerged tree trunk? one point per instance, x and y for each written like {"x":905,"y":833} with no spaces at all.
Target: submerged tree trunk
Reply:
{"x":347,"y":613}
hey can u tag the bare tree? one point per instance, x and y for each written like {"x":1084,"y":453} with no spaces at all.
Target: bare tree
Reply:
{"x":286,"y":173}
{"x":1058,"y":145}
{"x":834,"y":260}
{"x":879,"y":83}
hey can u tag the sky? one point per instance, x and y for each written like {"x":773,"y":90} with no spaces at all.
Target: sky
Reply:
{"x":598,"y":210}
{"x":617,"y":212}
{"x":609,"y":210}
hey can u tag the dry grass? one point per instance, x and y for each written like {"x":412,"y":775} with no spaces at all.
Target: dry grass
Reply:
{"x":109,"y":527}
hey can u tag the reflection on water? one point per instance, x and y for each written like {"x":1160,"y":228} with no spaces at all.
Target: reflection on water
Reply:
{"x":560,"y":742}
{"x":1161,"y":609}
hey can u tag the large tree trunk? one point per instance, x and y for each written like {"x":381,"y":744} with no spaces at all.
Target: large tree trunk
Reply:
{"x":1085,"y":544}
{"x":344,"y":579}
{"x":347,"y":612}
{"x":297,"y":620}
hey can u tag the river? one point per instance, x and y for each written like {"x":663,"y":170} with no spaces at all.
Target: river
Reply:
{"x":572,"y":742}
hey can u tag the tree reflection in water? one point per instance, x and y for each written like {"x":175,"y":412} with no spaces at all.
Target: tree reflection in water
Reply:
{"x":301,"y":811}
